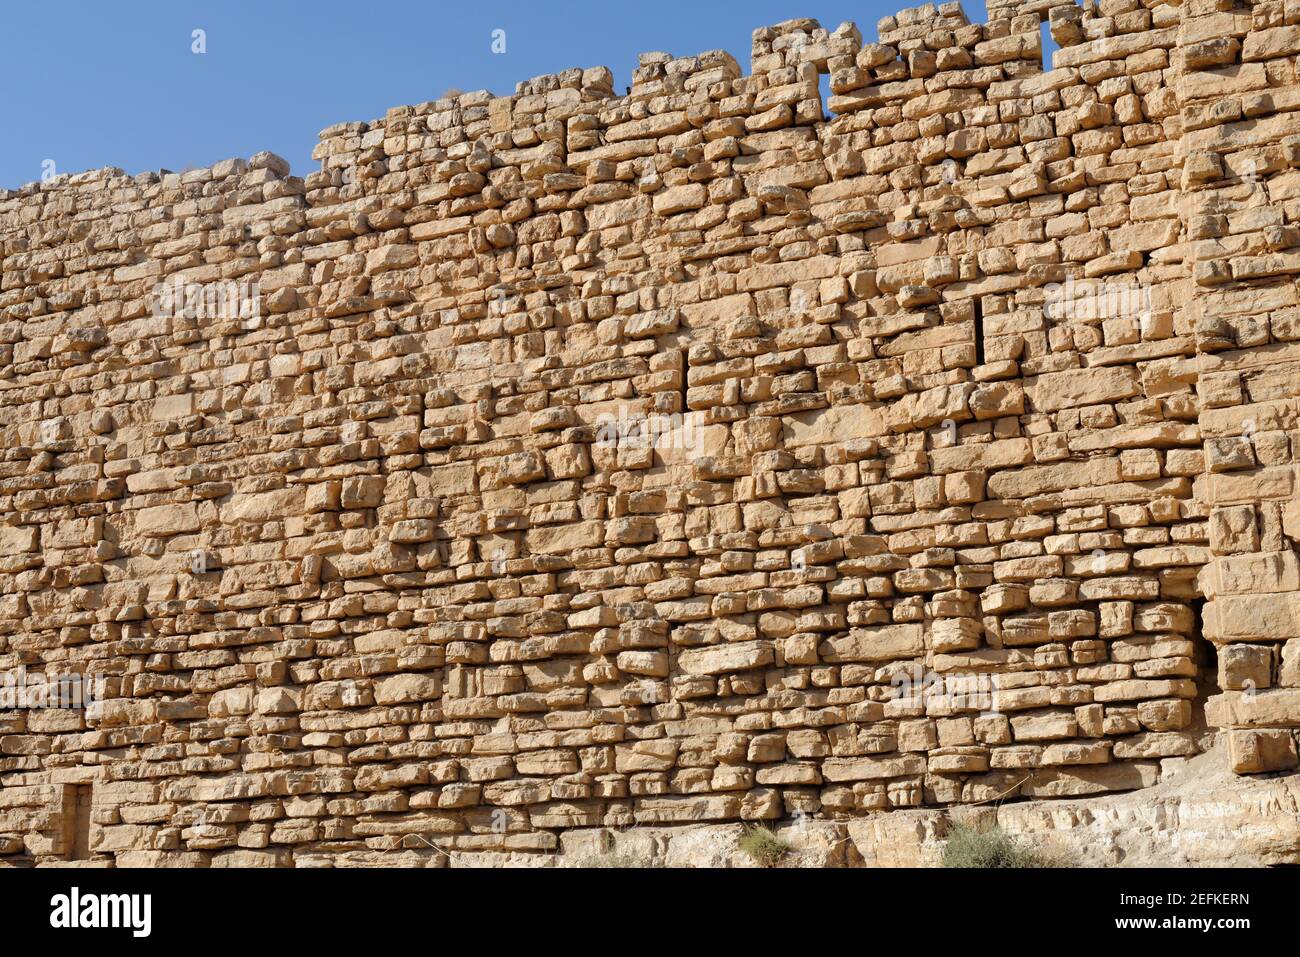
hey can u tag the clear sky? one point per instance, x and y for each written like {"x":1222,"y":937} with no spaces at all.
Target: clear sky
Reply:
{"x":89,"y":83}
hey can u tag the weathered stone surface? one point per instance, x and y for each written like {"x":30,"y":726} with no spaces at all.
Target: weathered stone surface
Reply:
{"x":166,"y":520}
{"x":720,"y":659}
{"x":564,"y":462}
{"x":1062,"y":390}
{"x":1200,"y":815}
{"x":264,"y":506}
{"x":886,"y":643}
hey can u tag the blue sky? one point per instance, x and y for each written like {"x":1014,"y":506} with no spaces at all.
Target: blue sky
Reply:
{"x":92,"y":83}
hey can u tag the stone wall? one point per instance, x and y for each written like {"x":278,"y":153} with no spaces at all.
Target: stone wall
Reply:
{"x":704,"y":454}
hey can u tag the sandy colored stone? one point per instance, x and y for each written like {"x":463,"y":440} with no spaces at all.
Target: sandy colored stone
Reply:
{"x":578,"y":463}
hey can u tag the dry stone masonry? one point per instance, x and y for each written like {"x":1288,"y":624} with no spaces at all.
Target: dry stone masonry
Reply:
{"x":711,"y":453}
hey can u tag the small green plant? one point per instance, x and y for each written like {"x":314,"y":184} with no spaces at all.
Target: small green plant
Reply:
{"x":987,"y":847}
{"x":763,"y":846}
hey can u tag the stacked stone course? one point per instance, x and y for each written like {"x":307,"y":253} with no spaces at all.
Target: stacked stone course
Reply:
{"x":370,"y":577}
